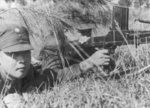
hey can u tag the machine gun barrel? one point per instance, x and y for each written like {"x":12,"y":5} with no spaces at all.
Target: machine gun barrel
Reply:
{"x":114,"y":38}
{"x":110,"y":42}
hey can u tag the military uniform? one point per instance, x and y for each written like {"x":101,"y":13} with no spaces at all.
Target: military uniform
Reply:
{"x":39,"y":77}
{"x":36,"y":80}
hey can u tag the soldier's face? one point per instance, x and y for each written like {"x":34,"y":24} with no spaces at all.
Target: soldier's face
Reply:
{"x":16,"y":64}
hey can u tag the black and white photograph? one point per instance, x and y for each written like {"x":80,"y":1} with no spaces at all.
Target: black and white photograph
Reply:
{"x":74,"y":53}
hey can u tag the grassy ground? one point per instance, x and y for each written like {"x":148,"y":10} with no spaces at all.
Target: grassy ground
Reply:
{"x":136,"y":13}
{"x":131,"y":90}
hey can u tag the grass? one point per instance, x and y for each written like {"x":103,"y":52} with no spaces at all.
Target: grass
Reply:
{"x":130,"y":91}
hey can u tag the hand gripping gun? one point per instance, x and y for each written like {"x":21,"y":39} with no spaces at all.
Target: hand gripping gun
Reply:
{"x":110,"y":41}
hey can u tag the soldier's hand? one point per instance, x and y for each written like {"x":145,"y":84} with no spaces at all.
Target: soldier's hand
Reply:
{"x":99,"y":58}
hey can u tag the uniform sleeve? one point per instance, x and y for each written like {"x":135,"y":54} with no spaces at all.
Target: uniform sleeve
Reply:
{"x":68,"y":73}
{"x":52,"y":61}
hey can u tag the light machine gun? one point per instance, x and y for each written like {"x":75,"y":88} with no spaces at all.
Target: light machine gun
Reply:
{"x":116,"y":38}
{"x":118,"y":35}
{"x":110,"y":42}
